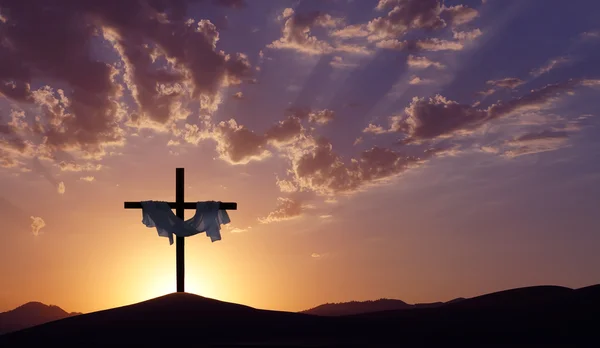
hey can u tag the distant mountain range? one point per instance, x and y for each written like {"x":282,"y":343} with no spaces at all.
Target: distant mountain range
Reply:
{"x":36,"y":313}
{"x":358,"y":307}
{"x":31,"y":314}
{"x":532,"y":316}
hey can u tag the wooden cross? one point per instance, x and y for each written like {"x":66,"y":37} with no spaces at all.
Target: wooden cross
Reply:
{"x":180,"y":205}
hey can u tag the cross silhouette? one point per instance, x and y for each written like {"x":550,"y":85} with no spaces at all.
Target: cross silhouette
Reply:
{"x":180,"y":205}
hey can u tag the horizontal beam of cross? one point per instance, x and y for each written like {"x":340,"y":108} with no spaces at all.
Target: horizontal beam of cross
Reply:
{"x":186,"y":205}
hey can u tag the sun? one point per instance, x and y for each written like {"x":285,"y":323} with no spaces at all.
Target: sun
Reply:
{"x":165,"y":283}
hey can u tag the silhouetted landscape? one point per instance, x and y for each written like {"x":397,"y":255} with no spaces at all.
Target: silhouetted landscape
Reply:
{"x":545,"y":315}
{"x":358,"y":307}
{"x":288,"y":154}
{"x":31,"y":314}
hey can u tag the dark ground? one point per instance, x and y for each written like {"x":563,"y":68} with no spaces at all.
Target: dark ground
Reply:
{"x":526,"y":317}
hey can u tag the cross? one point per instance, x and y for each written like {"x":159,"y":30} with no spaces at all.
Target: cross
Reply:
{"x":180,"y":205}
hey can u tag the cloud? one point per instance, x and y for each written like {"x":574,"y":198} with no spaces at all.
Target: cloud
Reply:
{"x":487,"y":92}
{"x":238,"y":95}
{"x":489,"y":149}
{"x":317,"y":168}
{"x":286,"y":209}
{"x":296,"y":32}
{"x":590,"y":83}
{"x":61,"y":188}
{"x":460,"y":14}
{"x":467,"y":36}
{"x":371,"y":128}
{"x":416,"y":62}
{"x":591,"y":35}
{"x":236,"y":144}
{"x":321,"y":116}
{"x":239,"y":230}
{"x":429,"y":44}
{"x":285,"y":186}
{"x":351,"y":31}
{"x":508,"y":82}
{"x":284,"y":132}
{"x":532,"y":143}
{"x":163,"y":59}
{"x":435,"y":44}
{"x":437,"y":116}
{"x":56,"y":47}
{"x":37,"y":224}
{"x":75,"y":167}
{"x":338,"y":62}
{"x":416,"y":80}
{"x":405,"y":15}
{"x":87,"y":178}
{"x":461,"y":40}
{"x":550,"y":65}
{"x":315,"y":255}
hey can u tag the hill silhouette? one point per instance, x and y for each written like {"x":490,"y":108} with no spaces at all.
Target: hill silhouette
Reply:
{"x":359,"y":307}
{"x":547,"y":316}
{"x":30,"y":314}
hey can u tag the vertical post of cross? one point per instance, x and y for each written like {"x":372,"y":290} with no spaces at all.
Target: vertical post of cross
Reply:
{"x":180,"y":241}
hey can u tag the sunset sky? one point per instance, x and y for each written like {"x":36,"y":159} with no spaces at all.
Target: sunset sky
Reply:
{"x":417,"y":149}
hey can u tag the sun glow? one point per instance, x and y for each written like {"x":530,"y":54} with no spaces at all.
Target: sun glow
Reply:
{"x":165,"y":283}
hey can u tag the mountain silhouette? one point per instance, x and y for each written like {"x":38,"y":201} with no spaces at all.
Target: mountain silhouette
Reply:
{"x":358,"y":307}
{"x":30,"y":314}
{"x":541,"y":315}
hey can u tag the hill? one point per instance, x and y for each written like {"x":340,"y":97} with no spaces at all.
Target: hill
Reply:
{"x":358,"y":307}
{"x":547,"y":316}
{"x":30,"y":314}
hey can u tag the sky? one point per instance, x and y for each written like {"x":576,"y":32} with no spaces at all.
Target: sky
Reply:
{"x":413,"y":149}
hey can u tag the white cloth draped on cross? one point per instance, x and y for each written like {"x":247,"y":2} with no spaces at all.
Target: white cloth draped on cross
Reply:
{"x":208,"y":218}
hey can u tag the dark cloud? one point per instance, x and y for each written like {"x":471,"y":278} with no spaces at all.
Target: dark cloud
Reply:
{"x":46,"y":41}
{"x":319,"y":169}
{"x":53,"y":42}
{"x":436,"y":117}
{"x":285,"y":131}
{"x":533,"y":100}
{"x":238,"y":144}
{"x":296,"y":32}
{"x":405,"y":15}
{"x":427,"y":44}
